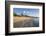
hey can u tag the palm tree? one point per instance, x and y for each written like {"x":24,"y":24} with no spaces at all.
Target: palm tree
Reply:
{"x":21,"y":14}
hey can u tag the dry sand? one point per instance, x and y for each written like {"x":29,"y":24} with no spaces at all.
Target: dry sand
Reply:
{"x":20,"y":18}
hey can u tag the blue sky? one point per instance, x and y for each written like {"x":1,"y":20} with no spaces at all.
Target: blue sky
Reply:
{"x":26,"y":11}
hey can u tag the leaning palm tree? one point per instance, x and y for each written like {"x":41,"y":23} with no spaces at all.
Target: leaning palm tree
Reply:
{"x":22,"y":14}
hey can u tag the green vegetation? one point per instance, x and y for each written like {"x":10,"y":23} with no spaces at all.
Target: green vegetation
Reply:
{"x":14,"y":14}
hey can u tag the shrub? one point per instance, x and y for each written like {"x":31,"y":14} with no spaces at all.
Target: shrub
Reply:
{"x":14,"y":14}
